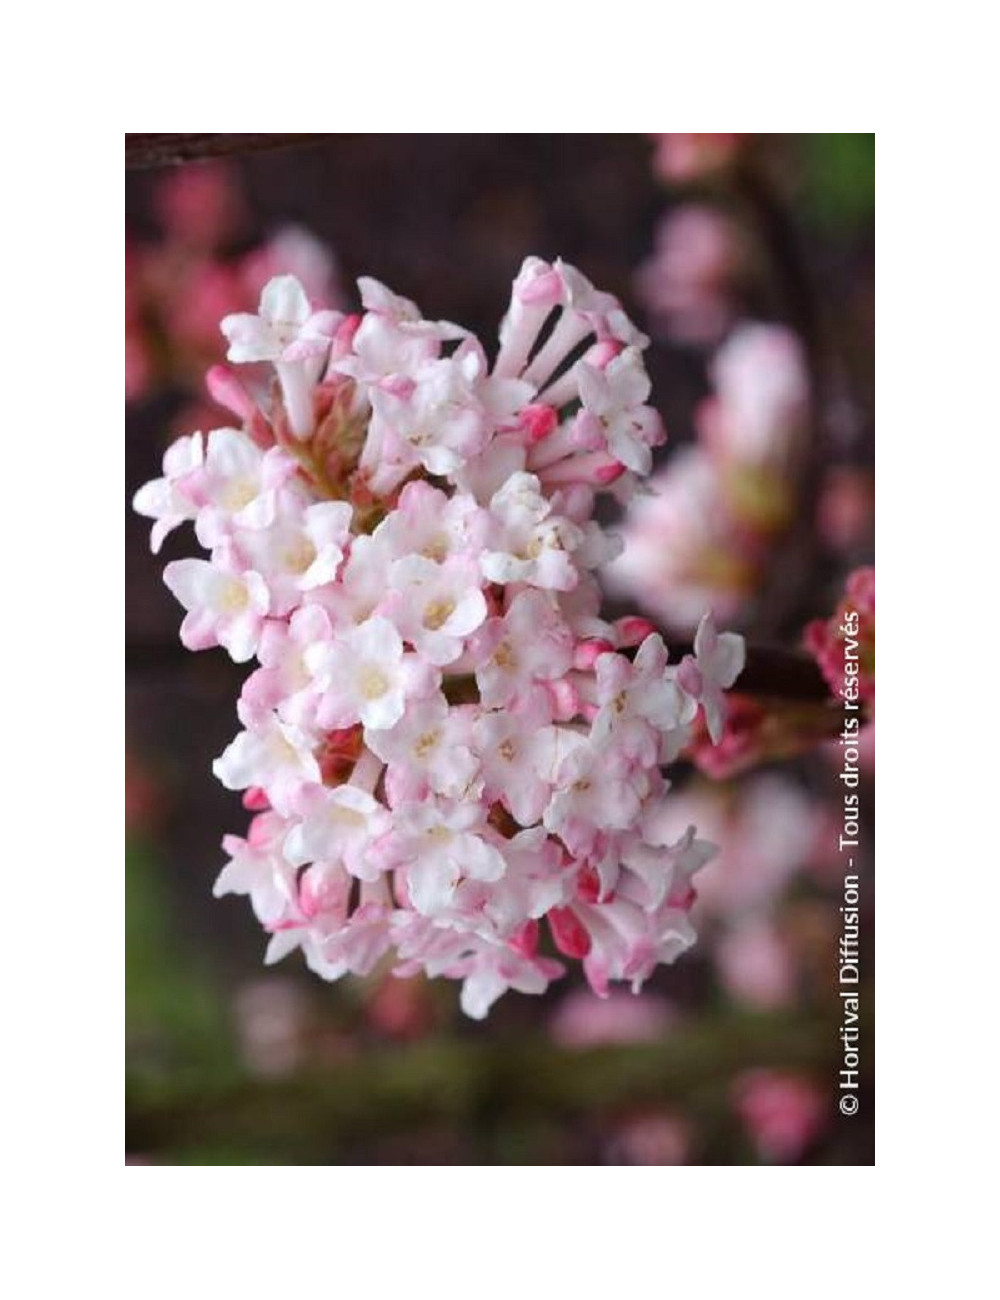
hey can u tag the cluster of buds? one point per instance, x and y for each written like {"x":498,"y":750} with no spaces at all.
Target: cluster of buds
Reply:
{"x":700,"y":538}
{"x":844,"y":645}
{"x":451,"y":757}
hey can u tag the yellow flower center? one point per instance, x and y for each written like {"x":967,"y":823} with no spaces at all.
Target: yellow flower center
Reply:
{"x":373,"y":682}
{"x":299,"y":555}
{"x":341,"y":816}
{"x":239,"y":493}
{"x":234,"y":598}
{"x":505,"y":657}
{"x":532,"y":550}
{"x":436,"y":548}
{"x":426,"y":743}
{"x":437,"y":613}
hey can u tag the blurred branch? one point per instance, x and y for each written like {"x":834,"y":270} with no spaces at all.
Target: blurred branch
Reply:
{"x":792,"y":566}
{"x":469,"y":1083}
{"x":163,"y":150}
{"x":781,"y":239}
{"x":782,"y":674}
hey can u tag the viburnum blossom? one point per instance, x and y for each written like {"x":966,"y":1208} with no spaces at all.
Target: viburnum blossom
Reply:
{"x":452,"y":758}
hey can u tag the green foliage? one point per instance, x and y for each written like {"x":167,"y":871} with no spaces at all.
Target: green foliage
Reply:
{"x":839,"y":180}
{"x":174,"y":1011}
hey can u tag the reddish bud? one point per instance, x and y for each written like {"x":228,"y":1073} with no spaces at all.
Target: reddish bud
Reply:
{"x":587,"y":652}
{"x":538,"y":421}
{"x":568,"y":932}
{"x":632,"y":631}
{"x":525,"y":941}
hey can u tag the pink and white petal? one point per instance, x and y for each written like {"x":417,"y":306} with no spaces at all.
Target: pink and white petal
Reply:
{"x":283,"y":300}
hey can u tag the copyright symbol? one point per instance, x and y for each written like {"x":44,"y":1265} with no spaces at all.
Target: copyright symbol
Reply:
{"x":848,"y":1104}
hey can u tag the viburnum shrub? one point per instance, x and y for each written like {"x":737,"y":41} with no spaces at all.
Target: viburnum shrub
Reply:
{"x":444,"y":743}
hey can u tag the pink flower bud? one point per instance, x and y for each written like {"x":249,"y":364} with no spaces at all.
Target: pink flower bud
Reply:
{"x":525,"y":941}
{"x":227,"y":390}
{"x":538,"y":421}
{"x":603,"y":352}
{"x":633,"y":630}
{"x":568,"y":934}
{"x":587,"y":652}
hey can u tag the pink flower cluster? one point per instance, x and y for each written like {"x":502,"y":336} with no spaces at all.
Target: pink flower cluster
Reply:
{"x":443,"y":742}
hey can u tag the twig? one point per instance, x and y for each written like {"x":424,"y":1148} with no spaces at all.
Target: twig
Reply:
{"x":163,"y":150}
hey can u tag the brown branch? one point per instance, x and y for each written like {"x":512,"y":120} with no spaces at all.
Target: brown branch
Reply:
{"x":164,"y":150}
{"x":782,"y":674}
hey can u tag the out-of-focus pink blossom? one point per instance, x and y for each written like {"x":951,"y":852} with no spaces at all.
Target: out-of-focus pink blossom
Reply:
{"x":845,"y":514}
{"x":199,"y":205}
{"x":584,"y":1020}
{"x":702,"y":534}
{"x":401,"y":1009}
{"x":680,"y":159}
{"x":755,"y":964}
{"x":784,"y":1113}
{"x":272,"y":1025}
{"x":757,"y":416}
{"x":191,"y":311}
{"x":688,"y":282}
{"x":178,"y":288}
{"x":680,"y":554}
{"x":652,"y":1138}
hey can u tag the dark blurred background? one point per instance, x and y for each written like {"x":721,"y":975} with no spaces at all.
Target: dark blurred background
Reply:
{"x":728,"y":1057}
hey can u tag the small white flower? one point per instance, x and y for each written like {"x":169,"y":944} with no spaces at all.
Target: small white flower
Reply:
{"x":365,"y":676}
{"x":224,"y":608}
{"x":436,"y":606}
{"x":530,"y":543}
